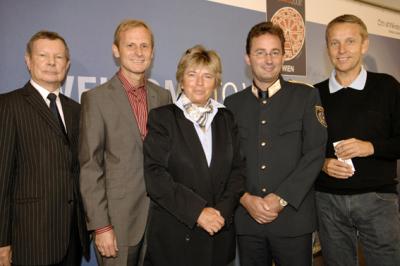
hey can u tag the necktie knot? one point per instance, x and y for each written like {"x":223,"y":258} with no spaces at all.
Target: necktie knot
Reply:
{"x":262,"y":94}
{"x":52,"y":97}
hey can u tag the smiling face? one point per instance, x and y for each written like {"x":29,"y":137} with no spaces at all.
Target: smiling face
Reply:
{"x":48,"y":63}
{"x":346,"y":48}
{"x":135,"y":52}
{"x":265,"y":59}
{"x":198,"y":84}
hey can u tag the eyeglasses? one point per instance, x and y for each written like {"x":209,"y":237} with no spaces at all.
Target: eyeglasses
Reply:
{"x":263,"y":53}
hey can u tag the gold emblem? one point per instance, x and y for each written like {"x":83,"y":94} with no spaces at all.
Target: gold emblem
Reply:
{"x":319,"y":113}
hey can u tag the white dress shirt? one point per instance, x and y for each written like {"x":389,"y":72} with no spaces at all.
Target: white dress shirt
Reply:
{"x":205,"y":135}
{"x":45,"y":93}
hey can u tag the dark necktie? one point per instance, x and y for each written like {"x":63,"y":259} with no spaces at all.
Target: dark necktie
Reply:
{"x":53,"y":107}
{"x":262,"y":95}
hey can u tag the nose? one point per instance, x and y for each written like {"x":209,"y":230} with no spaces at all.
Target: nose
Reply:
{"x":341,"y":48}
{"x":51,"y":60}
{"x":199,"y":80}
{"x":139,"y":51}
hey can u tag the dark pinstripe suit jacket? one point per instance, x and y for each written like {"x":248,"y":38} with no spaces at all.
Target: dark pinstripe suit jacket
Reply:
{"x":39,"y":174}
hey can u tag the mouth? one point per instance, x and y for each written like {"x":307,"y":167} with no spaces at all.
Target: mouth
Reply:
{"x":343,"y":59}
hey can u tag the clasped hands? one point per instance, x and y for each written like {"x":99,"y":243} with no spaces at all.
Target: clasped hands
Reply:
{"x":346,"y":149}
{"x":211,"y":220}
{"x":262,"y":209}
{"x":5,"y":256}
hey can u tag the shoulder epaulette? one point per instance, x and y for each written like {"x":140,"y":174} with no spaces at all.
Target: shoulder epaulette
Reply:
{"x":300,"y":82}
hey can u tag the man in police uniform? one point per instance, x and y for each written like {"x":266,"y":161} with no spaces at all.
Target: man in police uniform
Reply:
{"x":283,"y":136}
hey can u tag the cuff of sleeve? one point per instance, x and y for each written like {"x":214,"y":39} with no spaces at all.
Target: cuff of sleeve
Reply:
{"x":103,"y":229}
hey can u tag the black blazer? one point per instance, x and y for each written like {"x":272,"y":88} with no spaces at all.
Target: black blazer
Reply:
{"x":180,"y":184}
{"x":39,"y":174}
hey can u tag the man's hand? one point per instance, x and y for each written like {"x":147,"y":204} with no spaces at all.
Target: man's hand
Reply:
{"x":258,"y":208}
{"x":5,"y":256}
{"x":337,"y":169}
{"x":211,"y":220}
{"x":273,"y":202}
{"x":350,"y":148}
{"x":106,"y":244}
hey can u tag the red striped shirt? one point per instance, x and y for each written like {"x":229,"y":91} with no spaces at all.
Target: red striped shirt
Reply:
{"x":138,"y":100}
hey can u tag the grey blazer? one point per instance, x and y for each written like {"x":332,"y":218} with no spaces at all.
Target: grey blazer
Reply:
{"x":111,"y":160}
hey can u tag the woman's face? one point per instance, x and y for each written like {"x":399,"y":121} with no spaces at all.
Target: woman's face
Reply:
{"x":198,"y":84}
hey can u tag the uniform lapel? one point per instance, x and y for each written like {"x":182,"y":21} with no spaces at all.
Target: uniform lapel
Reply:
{"x":34,"y":98}
{"x":121,"y":101}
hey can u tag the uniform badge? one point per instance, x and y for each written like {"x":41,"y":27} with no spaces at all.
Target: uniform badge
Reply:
{"x":319,"y":113}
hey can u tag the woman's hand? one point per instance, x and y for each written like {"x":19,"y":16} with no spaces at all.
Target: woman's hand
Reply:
{"x":211,"y":220}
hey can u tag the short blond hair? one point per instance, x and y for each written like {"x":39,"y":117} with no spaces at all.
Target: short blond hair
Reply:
{"x":199,"y":56}
{"x":348,"y":18}
{"x":127,"y":24}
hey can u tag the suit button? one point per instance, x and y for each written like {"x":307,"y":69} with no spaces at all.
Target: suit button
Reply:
{"x":263,"y":143}
{"x":264,"y":189}
{"x":264,"y":102}
{"x":263,"y":167}
{"x":187,"y":238}
{"x":263,"y":122}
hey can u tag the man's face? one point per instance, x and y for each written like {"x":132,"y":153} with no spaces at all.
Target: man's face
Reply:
{"x":134,"y":51}
{"x":48,"y":63}
{"x":265,"y":59}
{"x":346,"y":47}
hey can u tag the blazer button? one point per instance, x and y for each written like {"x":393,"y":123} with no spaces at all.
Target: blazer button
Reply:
{"x":264,"y":102}
{"x":264,"y":189}
{"x":187,"y":238}
{"x":263,"y":122}
{"x":263,"y":143}
{"x":263,"y":167}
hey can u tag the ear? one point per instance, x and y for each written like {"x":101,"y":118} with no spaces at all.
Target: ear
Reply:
{"x":28,"y":61}
{"x":115,"y":51}
{"x":68,"y":64}
{"x":247,"y":59}
{"x":365,"y":45}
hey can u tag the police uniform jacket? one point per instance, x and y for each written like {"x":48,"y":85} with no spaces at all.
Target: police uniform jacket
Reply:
{"x":283,"y":140}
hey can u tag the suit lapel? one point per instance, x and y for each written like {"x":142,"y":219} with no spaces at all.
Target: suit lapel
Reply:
{"x":34,"y":98}
{"x":121,"y":101}
{"x":218,"y":141}
{"x":192,"y":142}
{"x":67,"y":116}
{"x":152,"y":97}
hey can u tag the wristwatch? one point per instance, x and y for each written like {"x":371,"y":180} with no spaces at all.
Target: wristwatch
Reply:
{"x":282,"y":202}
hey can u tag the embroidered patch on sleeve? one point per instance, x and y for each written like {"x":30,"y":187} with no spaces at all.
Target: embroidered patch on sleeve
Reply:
{"x":319,"y":113}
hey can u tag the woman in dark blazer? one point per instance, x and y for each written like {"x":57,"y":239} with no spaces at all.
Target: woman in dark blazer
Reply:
{"x":194,"y":171}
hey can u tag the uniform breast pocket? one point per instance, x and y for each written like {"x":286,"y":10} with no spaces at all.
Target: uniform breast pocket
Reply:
{"x":290,"y":128}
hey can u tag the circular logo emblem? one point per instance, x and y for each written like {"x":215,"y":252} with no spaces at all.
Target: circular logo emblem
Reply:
{"x":292,"y":24}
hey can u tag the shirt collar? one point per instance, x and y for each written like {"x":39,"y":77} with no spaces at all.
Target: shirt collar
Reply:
{"x":43,"y":92}
{"x":127,"y":85}
{"x":273,"y":89}
{"x":214,"y":104}
{"x":357,"y":84}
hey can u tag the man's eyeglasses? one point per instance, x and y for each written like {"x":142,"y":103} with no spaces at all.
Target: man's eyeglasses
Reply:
{"x":263,"y":53}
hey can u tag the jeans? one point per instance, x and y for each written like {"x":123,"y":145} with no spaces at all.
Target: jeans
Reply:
{"x":370,"y":218}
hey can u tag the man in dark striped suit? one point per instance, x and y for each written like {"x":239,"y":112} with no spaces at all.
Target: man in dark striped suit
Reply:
{"x":41,"y":213}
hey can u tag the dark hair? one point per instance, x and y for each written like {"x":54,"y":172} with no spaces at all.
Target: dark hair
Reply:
{"x":49,"y":35}
{"x":265,"y":27}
